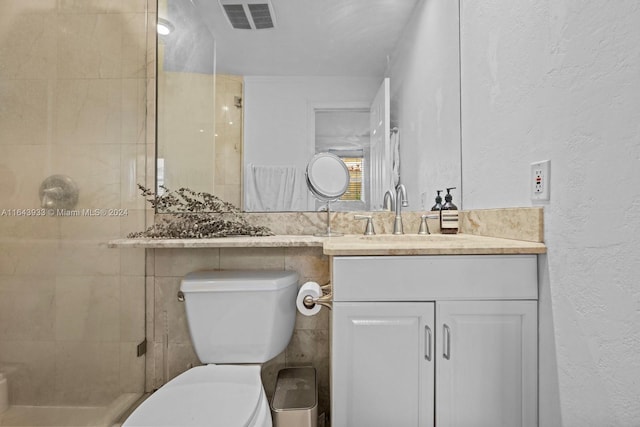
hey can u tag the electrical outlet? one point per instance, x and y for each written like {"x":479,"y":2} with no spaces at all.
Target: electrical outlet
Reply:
{"x":540,"y":180}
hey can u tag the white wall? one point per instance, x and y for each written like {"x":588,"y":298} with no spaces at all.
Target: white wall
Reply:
{"x":425,"y":102}
{"x":276,"y":123}
{"x":560,"y":80}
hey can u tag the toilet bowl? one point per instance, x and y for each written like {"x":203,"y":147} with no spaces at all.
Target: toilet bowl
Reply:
{"x":244,"y":317}
{"x":208,"y":395}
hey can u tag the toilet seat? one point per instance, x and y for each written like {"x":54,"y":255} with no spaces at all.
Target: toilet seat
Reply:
{"x":211,"y":395}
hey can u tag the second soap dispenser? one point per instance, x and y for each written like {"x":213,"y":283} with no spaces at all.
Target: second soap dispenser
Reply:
{"x":449,"y":215}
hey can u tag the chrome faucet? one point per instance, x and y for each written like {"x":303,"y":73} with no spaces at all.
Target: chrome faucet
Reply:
{"x":401,"y":200}
{"x":389,"y":200}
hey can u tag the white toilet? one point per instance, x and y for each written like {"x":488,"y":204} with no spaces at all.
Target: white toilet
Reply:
{"x":237,"y":320}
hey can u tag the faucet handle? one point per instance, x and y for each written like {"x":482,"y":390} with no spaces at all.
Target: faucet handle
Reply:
{"x":368,"y":231}
{"x":424,"y":227}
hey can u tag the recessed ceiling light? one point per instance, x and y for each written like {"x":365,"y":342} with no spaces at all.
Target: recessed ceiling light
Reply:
{"x":165,"y":27}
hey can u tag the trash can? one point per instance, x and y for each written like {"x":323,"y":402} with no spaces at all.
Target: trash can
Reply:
{"x":295,"y":401}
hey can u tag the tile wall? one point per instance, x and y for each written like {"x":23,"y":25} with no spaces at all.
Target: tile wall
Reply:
{"x":172,"y":353}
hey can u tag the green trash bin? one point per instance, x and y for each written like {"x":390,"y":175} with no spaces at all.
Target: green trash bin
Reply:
{"x":295,"y":401}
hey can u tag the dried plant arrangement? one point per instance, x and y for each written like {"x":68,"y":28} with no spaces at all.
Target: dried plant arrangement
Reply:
{"x":195,"y":215}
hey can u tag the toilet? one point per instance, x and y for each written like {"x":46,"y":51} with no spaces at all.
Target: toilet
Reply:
{"x":237,"y":320}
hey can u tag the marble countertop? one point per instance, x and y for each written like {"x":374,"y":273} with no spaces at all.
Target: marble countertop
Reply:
{"x":221,"y":242}
{"x":381,"y":244}
{"x":432,"y":244}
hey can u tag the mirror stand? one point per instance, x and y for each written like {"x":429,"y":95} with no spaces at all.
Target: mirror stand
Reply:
{"x":328,"y":232}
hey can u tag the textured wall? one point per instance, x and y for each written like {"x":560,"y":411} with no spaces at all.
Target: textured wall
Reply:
{"x":425,"y":102}
{"x":560,"y":80}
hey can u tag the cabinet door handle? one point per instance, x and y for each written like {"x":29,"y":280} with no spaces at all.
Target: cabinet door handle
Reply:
{"x":447,"y":342}
{"x":427,"y":343}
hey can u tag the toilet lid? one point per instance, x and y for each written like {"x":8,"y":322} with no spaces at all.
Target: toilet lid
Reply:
{"x":217,"y":396}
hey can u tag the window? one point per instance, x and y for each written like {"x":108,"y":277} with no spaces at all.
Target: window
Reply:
{"x":355,"y":190}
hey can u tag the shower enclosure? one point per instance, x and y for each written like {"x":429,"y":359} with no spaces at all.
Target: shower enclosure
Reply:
{"x":74,"y":77}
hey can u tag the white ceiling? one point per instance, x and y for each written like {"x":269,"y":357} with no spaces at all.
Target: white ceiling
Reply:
{"x":311,"y":37}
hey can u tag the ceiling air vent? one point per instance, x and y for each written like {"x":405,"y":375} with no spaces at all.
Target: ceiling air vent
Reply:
{"x":236,"y":16}
{"x":249,"y":14}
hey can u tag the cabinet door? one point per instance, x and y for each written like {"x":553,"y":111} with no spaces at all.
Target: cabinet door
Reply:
{"x":486,"y":366}
{"x":382,"y":364}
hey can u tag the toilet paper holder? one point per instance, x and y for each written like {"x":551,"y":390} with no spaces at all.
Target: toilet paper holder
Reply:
{"x":326,"y":300}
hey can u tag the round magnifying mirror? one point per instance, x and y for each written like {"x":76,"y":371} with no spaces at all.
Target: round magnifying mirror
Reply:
{"x":327,"y":176}
{"x":328,"y":179}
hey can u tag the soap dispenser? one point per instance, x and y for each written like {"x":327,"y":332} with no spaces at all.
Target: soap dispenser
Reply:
{"x":449,"y":215}
{"x":438,"y":205}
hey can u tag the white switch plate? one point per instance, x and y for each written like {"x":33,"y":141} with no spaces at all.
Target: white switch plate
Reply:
{"x":540,"y":180}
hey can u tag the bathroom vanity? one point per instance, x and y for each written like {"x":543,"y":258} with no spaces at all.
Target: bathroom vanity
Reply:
{"x":426,"y":330}
{"x":424,"y":340}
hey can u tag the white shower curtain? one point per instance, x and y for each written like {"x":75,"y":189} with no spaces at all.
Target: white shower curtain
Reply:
{"x":274,"y":188}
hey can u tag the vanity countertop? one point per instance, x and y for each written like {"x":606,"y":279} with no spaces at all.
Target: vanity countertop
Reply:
{"x":381,"y":244}
{"x":221,"y":242}
{"x":432,"y":244}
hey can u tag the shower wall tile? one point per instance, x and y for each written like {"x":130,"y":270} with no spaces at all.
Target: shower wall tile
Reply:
{"x":99,"y":228}
{"x":101,"y":6}
{"x":133,"y":165}
{"x":12,"y":8}
{"x":94,"y":168}
{"x":132,"y":318}
{"x":29,"y":258}
{"x":87,"y":308}
{"x":90,"y":45}
{"x":27,"y":45}
{"x":23,"y":168}
{"x":133,"y":110}
{"x":27,"y":308}
{"x":151,"y":121}
{"x":37,"y":227}
{"x":31,"y":371}
{"x":86,"y":373}
{"x":24,"y":112}
{"x":86,"y":260}
{"x":132,"y":370}
{"x":134,"y":45}
{"x":89,"y":111}
{"x":151,"y":69}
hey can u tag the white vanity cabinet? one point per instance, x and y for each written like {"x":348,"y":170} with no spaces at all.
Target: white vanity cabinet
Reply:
{"x":447,"y":340}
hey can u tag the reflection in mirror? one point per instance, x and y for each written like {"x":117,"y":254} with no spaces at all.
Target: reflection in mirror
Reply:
{"x":242,"y":110}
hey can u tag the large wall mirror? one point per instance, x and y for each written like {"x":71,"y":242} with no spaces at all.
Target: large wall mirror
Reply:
{"x":250,"y":90}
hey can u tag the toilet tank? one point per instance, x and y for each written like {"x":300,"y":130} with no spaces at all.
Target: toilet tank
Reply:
{"x":240,"y":316}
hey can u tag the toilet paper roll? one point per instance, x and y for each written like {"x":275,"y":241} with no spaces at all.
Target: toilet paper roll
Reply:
{"x":312,"y":289}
